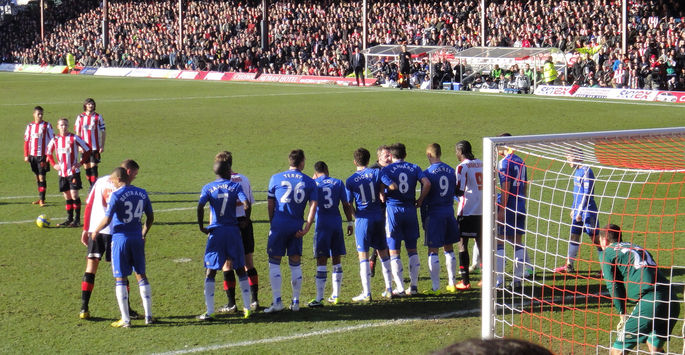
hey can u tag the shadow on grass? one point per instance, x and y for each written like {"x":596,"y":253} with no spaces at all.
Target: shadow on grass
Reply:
{"x":418,"y":306}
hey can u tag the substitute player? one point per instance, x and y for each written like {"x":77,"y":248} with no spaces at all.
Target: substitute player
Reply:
{"x":90,"y":126}
{"x":287,"y":196}
{"x":583,"y":210}
{"x":632,"y":277}
{"x":66,"y":146}
{"x":247,"y":234}
{"x":363,"y":189}
{"x":469,"y":210}
{"x":401,"y":222}
{"x":511,"y":213}
{"x":96,"y":205}
{"x":437,"y":211}
{"x":125,"y":209}
{"x":328,"y":235}
{"x":224,"y":241}
{"x":37,"y":136}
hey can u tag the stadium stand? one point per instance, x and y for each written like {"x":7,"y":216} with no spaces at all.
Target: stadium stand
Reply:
{"x":315,"y":37}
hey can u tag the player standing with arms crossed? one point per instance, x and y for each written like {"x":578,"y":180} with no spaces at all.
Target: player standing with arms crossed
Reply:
{"x":437,"y":211}
{"x":37,"y":136}
{"x":96,"y":205}
{"x":224,"y":241}
{"x":90,"y":126}
{"x":66,"y":146}
{"x":401,"y":222}
{"x":328,"y":234}
{"x":288,"y":194}
{"x":125,"y":210}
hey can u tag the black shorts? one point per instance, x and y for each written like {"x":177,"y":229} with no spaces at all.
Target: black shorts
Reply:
{"x":102,"y":245}
{"x":39,"y":165}
{"x":72,"y":182}
{"x":94,"y":157}
{"x":247,"y":234}
{"x":471,"y":227}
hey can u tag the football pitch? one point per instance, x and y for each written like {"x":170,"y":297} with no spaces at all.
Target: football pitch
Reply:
{"x":173,"y":129}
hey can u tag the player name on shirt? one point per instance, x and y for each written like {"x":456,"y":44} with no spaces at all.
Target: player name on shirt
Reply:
{"x":364,"y":176}
{"x":409,"y":167}
{"x":293,"y":175}
{"x":128,"y":194}
{"x":228,"y":186}
{"x":442,"y":169}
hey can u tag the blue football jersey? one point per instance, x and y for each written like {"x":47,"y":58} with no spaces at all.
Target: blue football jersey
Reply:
{"x":405,"y":175}
{"x":126,"y":207}
{"x":583,"y":190}
{"x":329,"y":191}
{"x":291,"y":191}
{"x":222,"y":196}
{"x":512,"y":169}
{"x":363,"y":188}
{"x":443,"y":184}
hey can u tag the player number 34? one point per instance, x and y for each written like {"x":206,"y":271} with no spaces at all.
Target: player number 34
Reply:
{"x":129,"y":208}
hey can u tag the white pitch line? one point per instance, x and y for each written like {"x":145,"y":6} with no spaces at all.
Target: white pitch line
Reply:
{"x":317,"y":333}
{"x":156,"y":211}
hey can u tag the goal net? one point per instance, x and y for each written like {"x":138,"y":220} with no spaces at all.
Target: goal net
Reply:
{"x":638,"y":184}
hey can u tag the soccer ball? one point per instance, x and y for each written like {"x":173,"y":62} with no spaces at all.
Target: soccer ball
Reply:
{"x":43,"y":221}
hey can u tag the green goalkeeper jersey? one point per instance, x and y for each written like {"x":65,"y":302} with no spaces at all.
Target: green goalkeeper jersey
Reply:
{"x":630,"y":272}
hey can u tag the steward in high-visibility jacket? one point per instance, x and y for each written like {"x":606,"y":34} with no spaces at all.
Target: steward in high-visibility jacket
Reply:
{"x":549,"y":71}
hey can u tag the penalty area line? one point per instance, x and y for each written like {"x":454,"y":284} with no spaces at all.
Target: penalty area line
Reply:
{"x":329,"y":331}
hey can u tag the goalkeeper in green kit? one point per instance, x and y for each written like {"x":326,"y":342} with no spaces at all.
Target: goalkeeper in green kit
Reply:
{"x":632,"y":276}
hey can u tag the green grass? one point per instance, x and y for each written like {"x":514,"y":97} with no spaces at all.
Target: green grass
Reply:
{"x":173,"y":129}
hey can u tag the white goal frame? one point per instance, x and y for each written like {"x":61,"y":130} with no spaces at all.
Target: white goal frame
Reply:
{"x":491,"y":181}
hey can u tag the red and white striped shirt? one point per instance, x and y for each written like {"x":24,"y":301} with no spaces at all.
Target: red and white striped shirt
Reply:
{"x":66,"y":149}
{"x":37,"y":137}
{"x":470,"y":182}
{"x":96,"y":204}
{"x":619,"y":76}
{"x":90,"y":128}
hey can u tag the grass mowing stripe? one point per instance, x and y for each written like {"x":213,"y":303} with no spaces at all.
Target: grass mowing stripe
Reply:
{"x":320,"y":332}
{"x":156,"y":211}
{"x":181,"y":98}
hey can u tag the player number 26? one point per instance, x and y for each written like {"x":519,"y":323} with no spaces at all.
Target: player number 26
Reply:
{"x":298,"y":192}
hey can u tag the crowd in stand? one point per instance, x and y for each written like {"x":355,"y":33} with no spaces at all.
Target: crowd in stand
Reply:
{"x":316,"y":37}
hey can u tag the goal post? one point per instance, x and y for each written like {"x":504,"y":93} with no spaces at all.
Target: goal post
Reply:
{"x":638,"y":184}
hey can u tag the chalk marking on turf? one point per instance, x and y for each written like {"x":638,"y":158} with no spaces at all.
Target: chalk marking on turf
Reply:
{"x":156,"y":211}
{"x":354,"y":327}
{"x":320,"y":332}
